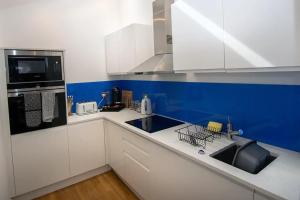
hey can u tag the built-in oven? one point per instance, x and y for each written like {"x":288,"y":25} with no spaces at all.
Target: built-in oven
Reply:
{"x":36,"y":90}
{"x":25,"y":67}
{"x":35,"y":109}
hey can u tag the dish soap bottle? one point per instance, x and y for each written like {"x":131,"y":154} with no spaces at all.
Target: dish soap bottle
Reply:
{"x":146,"y":108}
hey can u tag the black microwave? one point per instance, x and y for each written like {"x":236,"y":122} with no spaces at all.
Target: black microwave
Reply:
{"x":34,"y":66}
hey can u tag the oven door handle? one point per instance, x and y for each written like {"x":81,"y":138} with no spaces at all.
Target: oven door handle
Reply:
{"x":18,"y":94}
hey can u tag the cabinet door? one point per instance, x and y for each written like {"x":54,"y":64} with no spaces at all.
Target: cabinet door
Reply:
{"x":115,"y":147}
{"x":176,"y":178}
{"x":262,"y":34}
{"x":198,"y":35}
{"x":127,"y":49}
{"x":40,"y":158}
{"x":144,"y":42}
{"x":137,"y":153}
{"x":136,"y":175}
{"x":112,"y":48}
{"x":86,"y":146}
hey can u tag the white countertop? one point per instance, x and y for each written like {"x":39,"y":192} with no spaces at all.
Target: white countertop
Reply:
{"x":280,"y":179}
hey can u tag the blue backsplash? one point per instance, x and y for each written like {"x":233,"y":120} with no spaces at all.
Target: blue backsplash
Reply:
{"x":89,"y":91}
{"x":268,"y":113}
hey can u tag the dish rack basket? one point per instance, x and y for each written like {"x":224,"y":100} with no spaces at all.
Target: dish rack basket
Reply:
{"x":197,"y":135}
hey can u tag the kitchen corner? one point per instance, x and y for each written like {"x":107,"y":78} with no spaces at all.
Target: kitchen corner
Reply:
{"x":150,"y":100}
{"x":280,"y":179}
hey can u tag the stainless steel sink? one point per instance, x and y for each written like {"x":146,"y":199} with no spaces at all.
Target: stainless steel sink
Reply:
{"x":227,"y":155}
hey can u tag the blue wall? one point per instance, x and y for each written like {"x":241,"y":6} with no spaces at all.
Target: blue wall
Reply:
{"x":268,"y":113}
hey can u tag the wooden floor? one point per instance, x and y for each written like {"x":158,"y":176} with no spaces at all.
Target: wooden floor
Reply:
{"x":106,"y":186}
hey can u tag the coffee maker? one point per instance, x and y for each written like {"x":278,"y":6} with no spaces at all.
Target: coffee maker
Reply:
{"x":116,"y":101}
{"x":116,"y":96}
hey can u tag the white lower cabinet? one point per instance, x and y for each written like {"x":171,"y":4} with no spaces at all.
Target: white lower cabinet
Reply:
{"x":137,"y":166}
{"x":45,"y":157}
{"x":115,"y":149}
{"x":40,"y":158}
{"x":137,"y":175}
{"x":156,"y":173}
{"x":129,"y":156}
{"x":86,"y":146}
{"x":176,"y":178}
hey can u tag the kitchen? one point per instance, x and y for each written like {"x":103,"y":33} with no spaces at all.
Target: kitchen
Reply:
{"x":185,"y":87}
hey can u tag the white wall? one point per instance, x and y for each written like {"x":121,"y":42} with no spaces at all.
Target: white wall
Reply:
{"x":136,"y":11}
{"x":76,"y":26}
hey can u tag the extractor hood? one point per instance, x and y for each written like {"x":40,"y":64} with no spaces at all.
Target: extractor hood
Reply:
{"x":162,"y":61}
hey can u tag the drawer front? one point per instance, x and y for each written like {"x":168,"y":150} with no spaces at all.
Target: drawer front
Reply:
{"x":139,"y":142}
{"x":137,"y":176}
{"x":137,"y":153}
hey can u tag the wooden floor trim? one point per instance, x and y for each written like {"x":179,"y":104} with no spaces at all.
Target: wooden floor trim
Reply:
{"x":107,"y":186}
{"x":62,"y":184}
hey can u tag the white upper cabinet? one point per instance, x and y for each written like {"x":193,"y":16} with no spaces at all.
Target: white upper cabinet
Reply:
{"x":112,"y":53}
{"x":262,"y":34}
{"x":128,"y":47}
{"x":197,"y":27}
{"x":244,"y":35}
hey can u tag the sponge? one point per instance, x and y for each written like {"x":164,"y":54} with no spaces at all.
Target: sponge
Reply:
{"x":214,"y":126}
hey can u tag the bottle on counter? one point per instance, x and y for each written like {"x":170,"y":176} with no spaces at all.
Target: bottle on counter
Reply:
{"x":146,"y":108}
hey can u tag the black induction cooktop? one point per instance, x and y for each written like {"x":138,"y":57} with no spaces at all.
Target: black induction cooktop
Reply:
{"x":154,"y":123}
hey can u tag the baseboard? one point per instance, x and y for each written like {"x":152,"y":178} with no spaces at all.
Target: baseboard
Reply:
{"x":62,"y":184}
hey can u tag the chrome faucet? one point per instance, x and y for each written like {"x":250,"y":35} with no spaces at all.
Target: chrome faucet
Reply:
{"x":231,"y":132}
{"x":234,"y":133}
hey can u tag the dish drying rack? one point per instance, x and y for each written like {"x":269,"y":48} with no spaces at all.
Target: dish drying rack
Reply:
{"x":197,"y":135}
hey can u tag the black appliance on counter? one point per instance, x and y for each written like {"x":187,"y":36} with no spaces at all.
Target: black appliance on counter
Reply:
{"x":36,"y":89}
{"x":116,"y":101}
{"x":154,"y":123}
{"x":116,"y":96}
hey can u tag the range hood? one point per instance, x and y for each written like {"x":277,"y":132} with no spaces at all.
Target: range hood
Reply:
{"x":162,"y":62}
